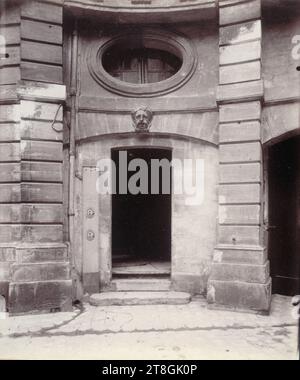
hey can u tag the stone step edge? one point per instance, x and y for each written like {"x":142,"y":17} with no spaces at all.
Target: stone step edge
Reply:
{"x":11,"y":283}
{"x":139,"y":298}
{"x":29,"y":263}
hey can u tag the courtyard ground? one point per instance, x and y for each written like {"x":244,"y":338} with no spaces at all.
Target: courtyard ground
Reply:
{"x":191,"y":331}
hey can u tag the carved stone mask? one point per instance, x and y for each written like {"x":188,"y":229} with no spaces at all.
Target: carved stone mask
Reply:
{"x":142,"y":119}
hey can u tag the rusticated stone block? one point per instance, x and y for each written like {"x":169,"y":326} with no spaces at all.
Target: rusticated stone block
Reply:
{"x":40,"y":272}
{"x":10,"y":232}
{"x":41,"y":233}
{"x":10,"y":213}
{"x":239,"y":193}
{"x":239,"y":214}
{"x":40,"y":111}
{"x":5,"y":271}
{"x":10,"y":172}
{"x":33,"y":129}
{"x":241,"y":72}
{"x":10,"y":193}
{"x":40,"y":296}
{"x":33,"y":71}
{"x":238,"y":33}
{"x":38,"y":255}
{"x":36,"y":30}
{"x":10,"y":132}
{"x":43,"y":11}
{"x":41,"y":213}
{"x":240,"y":12}
{"x":9,"y":152}
{"x":7,"y":254}
{"x":247,"y":131}
{"x":239,"y":235}
{"x":240,"y":255}
{"x":10,"y":16}
{"x":243,"y":152}
{"x":41,"y":192}
{"x":40,"y":52}
{"x":248,"y":51}
{"x":240,"y":272}
{"x":240,"y":295}
{"x":41,"y":150}
{"x":41,"y":171}
{"x":9,"y":112}
{"x":240,"y":91}
{"x":240,"y":112}
{"x":240,"y":173}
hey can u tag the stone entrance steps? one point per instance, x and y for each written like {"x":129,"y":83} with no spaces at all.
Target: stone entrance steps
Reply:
{"x":141,"y":284}
{"x":139,"y":298}
{"x":141,"y":269}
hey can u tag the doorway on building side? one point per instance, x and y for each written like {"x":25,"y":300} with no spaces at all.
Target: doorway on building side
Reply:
{"x":284,"y":215}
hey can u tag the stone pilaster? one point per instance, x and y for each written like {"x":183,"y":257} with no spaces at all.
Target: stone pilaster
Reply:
{"x":10,"y":188}
{"x":40,"y":274}
{"x":240,"y":271}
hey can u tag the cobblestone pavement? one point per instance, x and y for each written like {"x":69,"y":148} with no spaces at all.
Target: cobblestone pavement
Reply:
{"x":190,"y":331}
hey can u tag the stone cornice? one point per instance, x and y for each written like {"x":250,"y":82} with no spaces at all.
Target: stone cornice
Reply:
{"x":140,"y":11}
{"x":141,"y":5}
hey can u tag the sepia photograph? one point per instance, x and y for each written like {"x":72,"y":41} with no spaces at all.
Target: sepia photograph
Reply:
{"x":149,"y":182}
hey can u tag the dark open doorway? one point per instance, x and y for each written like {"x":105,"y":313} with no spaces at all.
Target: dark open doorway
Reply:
{"x":141,"y":223}
{"x":284,"y":215}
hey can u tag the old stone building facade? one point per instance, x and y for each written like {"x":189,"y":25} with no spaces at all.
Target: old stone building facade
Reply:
{"x":221,"y":82}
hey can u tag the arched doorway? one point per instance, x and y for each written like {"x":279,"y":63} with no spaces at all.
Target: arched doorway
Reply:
{"x":141,"y":222}
{"x":284,"y":215}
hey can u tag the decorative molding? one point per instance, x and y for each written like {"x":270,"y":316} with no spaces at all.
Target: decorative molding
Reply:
{"x":157,"y":11}
{"x":170,"y":104}
{"x":122,"y":5}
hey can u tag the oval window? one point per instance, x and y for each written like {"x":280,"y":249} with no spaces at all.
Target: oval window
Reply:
{"x":140,"y":65}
